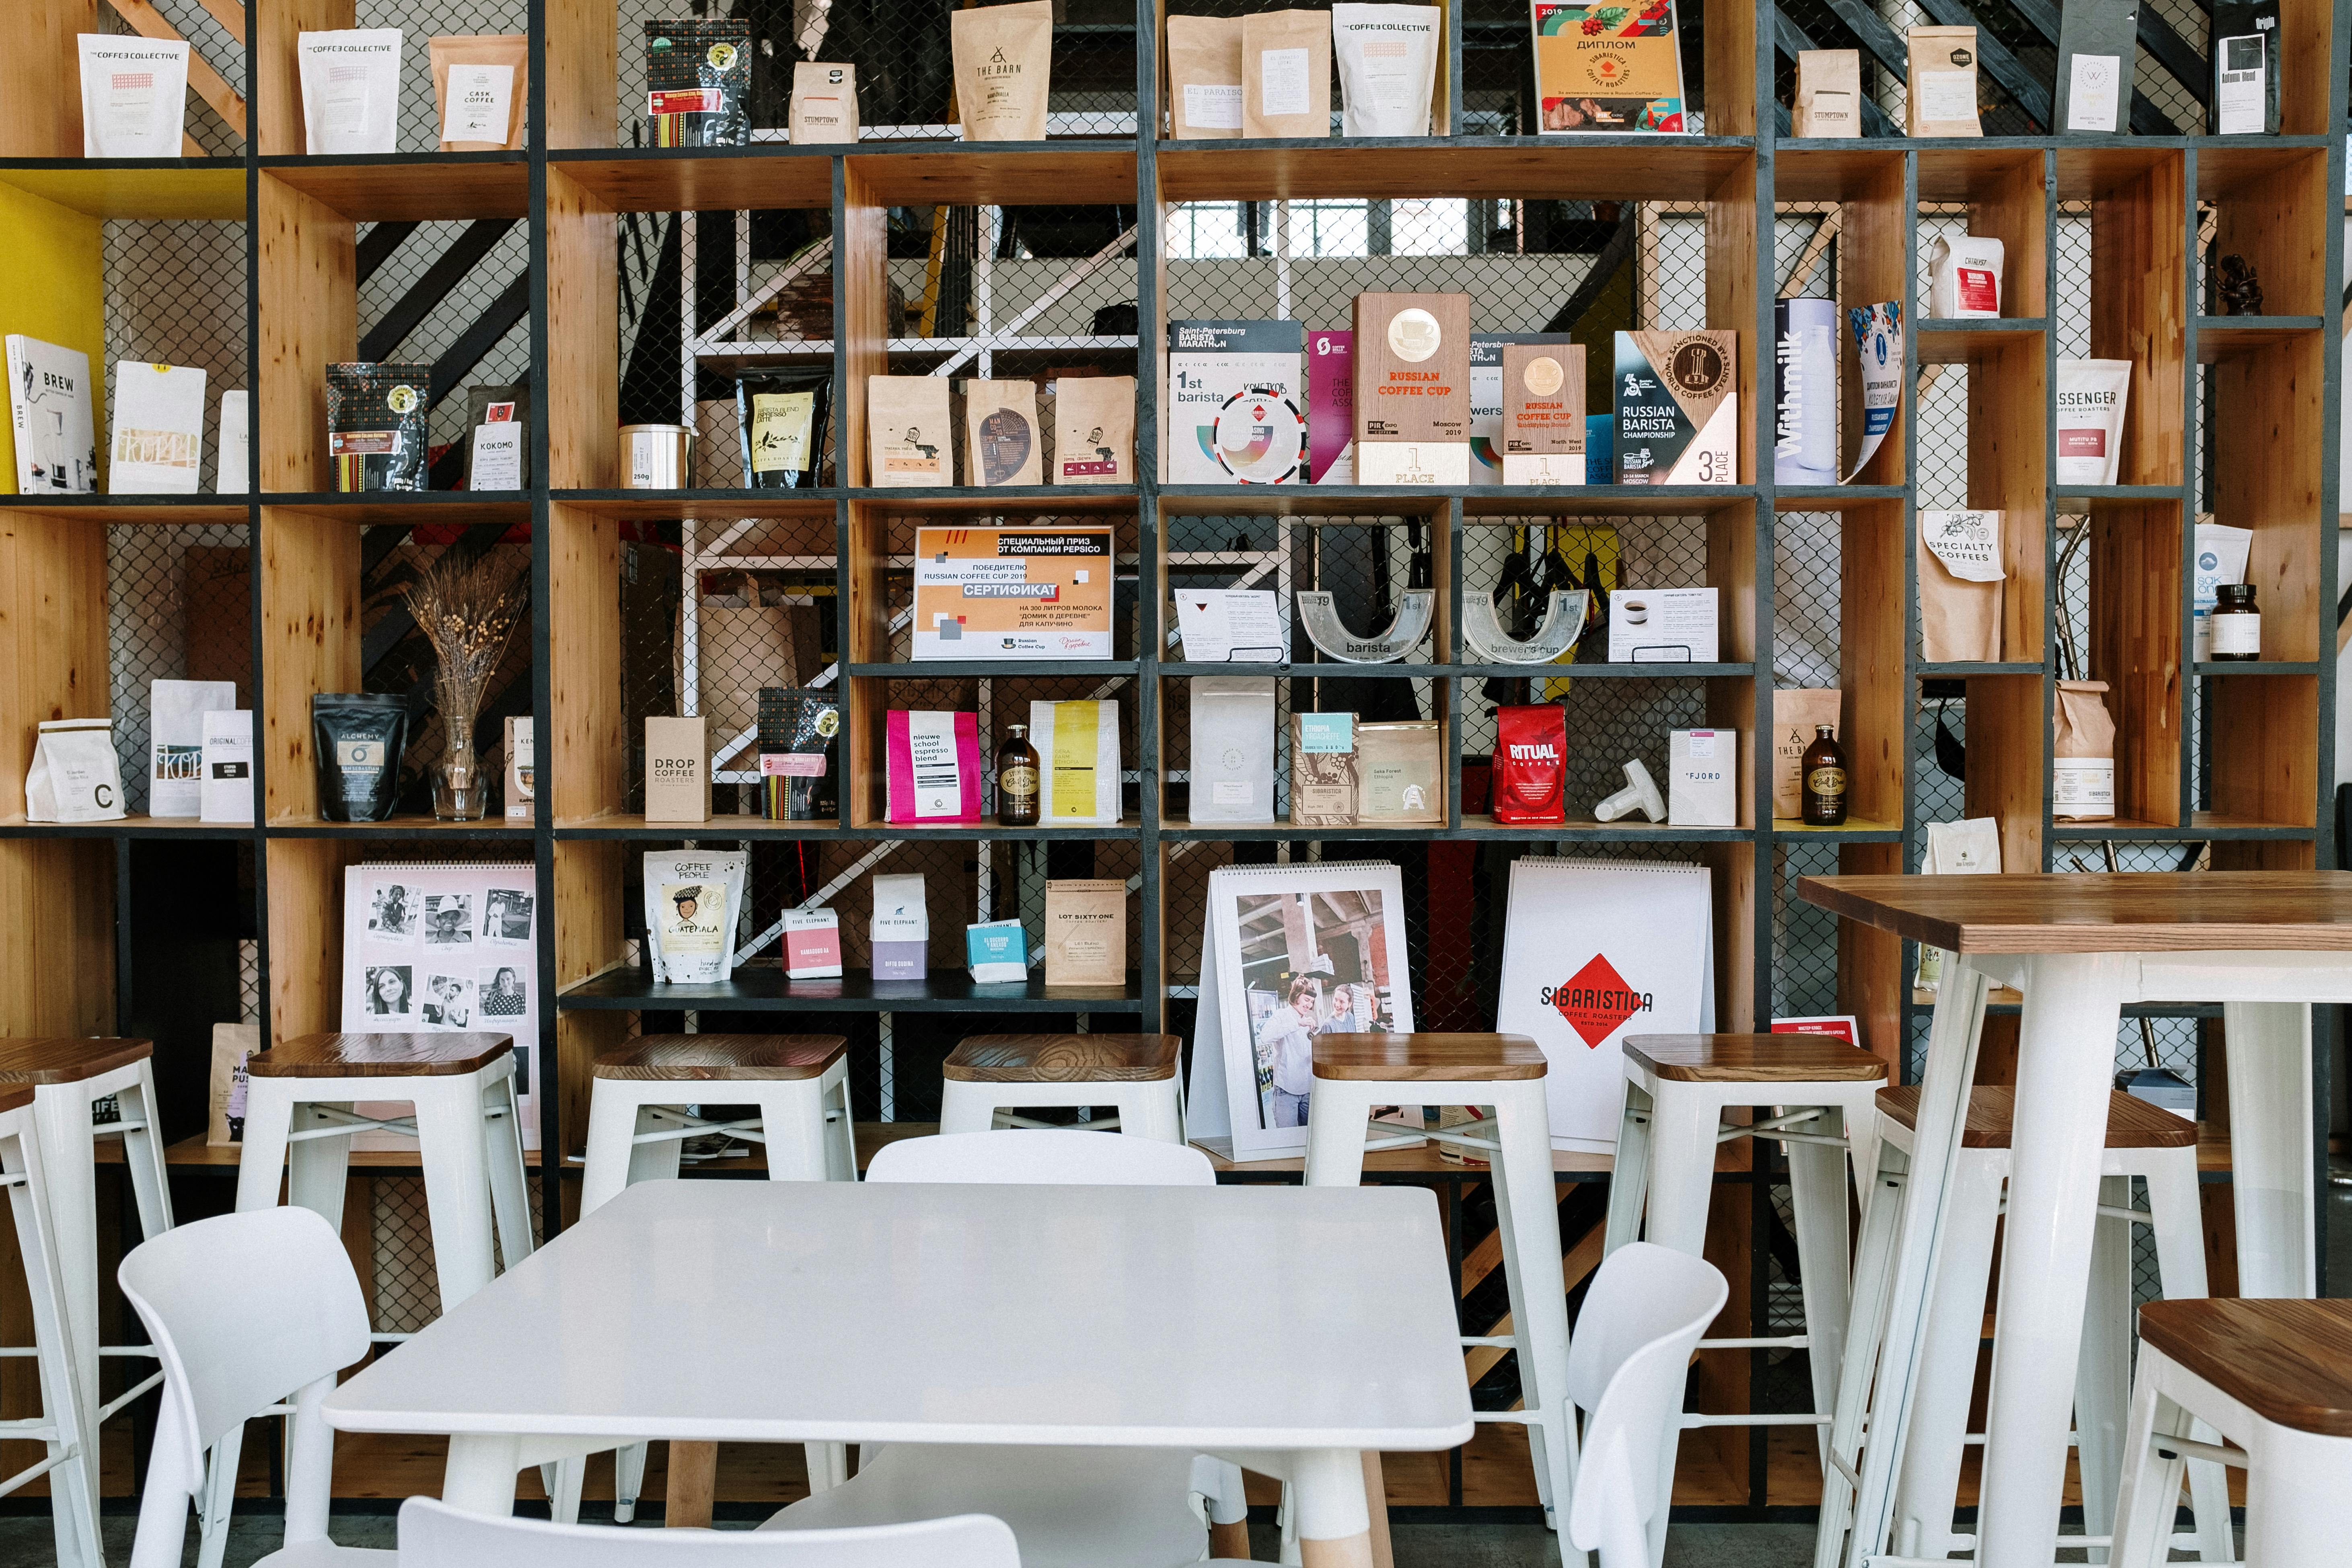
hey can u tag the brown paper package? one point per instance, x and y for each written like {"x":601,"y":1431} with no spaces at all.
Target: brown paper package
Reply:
{"x":1003,"y":444}
{"x":1796,"y":711}
{"x":1322,"y":785}
{"x":1203,"y":52}
{"x":1003,"y":59}
{"x":1284,"y":31}
{"x":1085,"y":932}
{"x":1093,"y":431}
{"x":1836,"y":73}
{"x":483,"y":49}
{"x":825,"y":103}
{"x":1934,"y":49}
{"x":1959,"y":620}
{"x":910,"y":431}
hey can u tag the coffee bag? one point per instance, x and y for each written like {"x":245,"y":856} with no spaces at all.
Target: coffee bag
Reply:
{"x":1086,"y":931}
{"x":1942,"y":99}
{"x":1286,"y":74}
{"x":481,"y":86}
{"x":2092,"y":397}
{"x":1401,"y":774}
{"x":76,"y":776}
{"x":1003,"y":445}
{"x":1205,"y":77}
{"x":1960,"y":587}
{"x":1004,"y":57}
{"x":1386,"y":57}
{"x":908,"y":432}
{"x":825,"y":103}
{"x":698,"y":82}
{"x":1323,"y":780}
{"x":2081,"y":754}
{"x":1828,"y":93}
{"x":1530,"y":767}
{"x":1796,"y":711}
{"x":1093,"y":431}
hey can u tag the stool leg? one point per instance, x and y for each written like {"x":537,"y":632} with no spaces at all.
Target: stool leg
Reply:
{"x":2177,"y":1216}
{"x":1335,"y":1135}
{"x":1817,"y":1193}
{"x":261,"y":1159}
{"x":1149,"y":1109}
{"x":457,"y":1183}
{"x":318,"y":1169}
{"x":628,"y":1482}
{"x":219,"y":1496}
{"x":510,"y":1187}
{"x":1526,"y":1208}
{"x":615,"y":1119}
{"x":69,"y":1166}
{"x":2298,"y":1510}
{"x":1872,"y":1277}
{"x":1681,"y":1167}
{"x":2150,"y":1493}
{"x":142,"y":1155}
{"x":841,"y":1131}
{"x":73,"y":1502}
{"x":967,"y":1107}
{"x":1629,"y":1182}
{"x":2103,"y":1374}
{"x":792,"y":1117}
{"x":1928,"y":1487}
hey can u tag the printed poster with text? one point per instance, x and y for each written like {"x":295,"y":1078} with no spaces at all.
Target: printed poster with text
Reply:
{"x":1594,"y":950}
{"x":1013,"y":593}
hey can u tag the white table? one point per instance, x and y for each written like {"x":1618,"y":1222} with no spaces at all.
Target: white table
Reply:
{"x":2268,"y":946}
{"x":1290,"y":1328}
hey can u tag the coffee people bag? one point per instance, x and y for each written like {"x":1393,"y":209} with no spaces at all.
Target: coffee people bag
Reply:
{"x":2081,"y":754}
{"x":1093,"y":431}
{"x":693,"y":898}
{"x":910,"y":432}
{"x":1004,"y":57}
{"x":1002,"y":443}
{"x":1205,"y":77}
{"x":1287,"y":73}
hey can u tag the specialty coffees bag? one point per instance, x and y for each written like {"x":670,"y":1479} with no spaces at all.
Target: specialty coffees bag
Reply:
{"x":1942,"y":99}
{"x":1960,"y":578}
{"x":1323,"y":779}
{"x":351,"y":91}
{"x":134,"y":96}
{"x":1002,"y":445}
{"x":1093,"y":431}
{"x":698,"y":82}
{"x":1286,"y":74}
{"x":910,"y":431}
{"x":1205,"y":77}
{"x":2082,"y":754}
{"x":1797,"y":712}
{"x":1386,"y":57}
{"x":1530,"y":767}
{"x":2092,"y":397}
{"x":694,"y":898}
{"x":932,"y":762}
{"x":1086,"y":931}
{"x":356,"y":742}
{"x":1232,"y":748}
{"x":1399,"y":773}
{"x":782,"y":416}
{"x":1004,"y":57}
{"x":824,"y":104}
{"x":378,"y":424}
{"x":1078,"y":754}
{"x":1828,"y":93}
{"x":1964,"y":278}
{"x":74,"y":776}
{"x":481,"y":85}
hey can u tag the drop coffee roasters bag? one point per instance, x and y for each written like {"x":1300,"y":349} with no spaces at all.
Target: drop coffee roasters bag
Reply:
{"x":2081,"y":752}
{"x":481,"y":84}
{"x":1002,"y":443}
{"x":356,"y":741}
{"x":1003,"y":59}
{"x":1093,"y":431}
{"x":378,"y":422}
{"x":698,"y":82}
{"x":1530,"y":768}
{"x":1386,"y":57}
{"x":1287,"y":73}
{"x":1205,"y":77}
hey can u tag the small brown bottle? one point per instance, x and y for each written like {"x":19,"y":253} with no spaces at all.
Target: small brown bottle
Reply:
{"x":1824,"y":773}
{"x":1016,"y":779}
{"x":2236,"y":625}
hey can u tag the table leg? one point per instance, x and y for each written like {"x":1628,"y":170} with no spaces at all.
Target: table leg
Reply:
{"x":2065,"y":1061}
{"x":1327,"y":1490}
{"x":693,"y":1481}
{"x":1376,"y":1510}
{"x":480,"y":1476}
{"x":2271,"y":1145}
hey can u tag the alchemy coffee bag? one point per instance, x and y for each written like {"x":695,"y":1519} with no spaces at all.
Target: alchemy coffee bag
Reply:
{"x":1205,"y":77}
{"x":1001,"y":442}
{"x":782,"y":414}
{"x":698,"y":82}
{"x":2081,"y":754}
{"x":1387,"y":67}
{"x":1093,"y":431}
{"x":356,"y":742}
{"x":1287,"y":73}
{"x":1004,"y":66}
{"x":824,"y":104}
{"x":910,"y":432}
{"x":1530,"y":768}
{"x":1960,"y":578}
{"x":481,"y":85}
{"x":378,"y":422}
{"x":1942,"y":99}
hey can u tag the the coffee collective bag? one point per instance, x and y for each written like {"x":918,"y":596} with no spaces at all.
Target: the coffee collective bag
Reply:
{"x":2081,"y":752}
{"x":1677,"y":408}
{"x":1387,"y":67}
{"x":1093,"y":431}
{"x":351,"y":90}
{"x":910,"y":431}
{"x":825,"y":103}
{"x":1205,"y":77}
{"x":1287,"y":73}
{"x":1828,"y":93}
{"x":1942,"y":96}
{"x":1960,"y":578}
{"x":1412,"y":389}
{"x":134,"y":96}
{"x":481,"y":84}
{"x":1002,"y":444}
{"x":1004,"y":64}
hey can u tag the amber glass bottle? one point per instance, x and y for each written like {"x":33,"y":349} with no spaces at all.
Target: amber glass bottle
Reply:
{"x":1824,"y":774}
{"x":1016,"y":779}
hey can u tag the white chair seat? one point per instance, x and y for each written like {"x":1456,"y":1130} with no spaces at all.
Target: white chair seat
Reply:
{"x":1068,"y":1508}
{"x":327,"y":1555}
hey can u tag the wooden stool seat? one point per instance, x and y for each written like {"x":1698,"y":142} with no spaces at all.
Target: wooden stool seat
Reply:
{"x":2289,"y":1362}
{"x":66,"y":1059}
{"x":2131,"y":1124}
{"x":723,"y":1057}
{"x":378,"y":1056}
{"x":1426,"y":1058}
{"x":15,"y":1098}
{"x":1063,"y":1059}
{"x":1753,"y":1058}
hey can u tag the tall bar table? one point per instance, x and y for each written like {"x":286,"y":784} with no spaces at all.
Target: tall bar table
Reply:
{"x":2267,"y":945}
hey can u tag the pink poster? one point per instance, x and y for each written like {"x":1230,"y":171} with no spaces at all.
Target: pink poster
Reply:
{"x":1330,"y":404}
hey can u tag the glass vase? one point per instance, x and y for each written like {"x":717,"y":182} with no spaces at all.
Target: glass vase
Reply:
{"x":460,"y":790}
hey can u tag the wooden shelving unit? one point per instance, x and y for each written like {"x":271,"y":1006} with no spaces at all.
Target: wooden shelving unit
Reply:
{"x":2270,"y":393}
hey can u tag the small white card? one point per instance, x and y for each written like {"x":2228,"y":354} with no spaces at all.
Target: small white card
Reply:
{"x":1212,"y":106}
{"x":481,"y":104}
{"x":498,"y":457}
{"x":227,"y":789}
{"x":1229,"y":625}
{"x":1662,"y":625}
{"x":2092,"y":98}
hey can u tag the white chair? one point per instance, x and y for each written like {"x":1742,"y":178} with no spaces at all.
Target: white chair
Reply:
{"x":638,"y":1119}
{"x":73,"y":1507}
{"x":1642,"y":1318}
{"x":1068,"y":1506}
{"x":246,"y":1310}
{"x":434,"y":1535}
{"x":989,"y":1077}
{"x":2274,"y":1378}
{"x":68,"y":1077}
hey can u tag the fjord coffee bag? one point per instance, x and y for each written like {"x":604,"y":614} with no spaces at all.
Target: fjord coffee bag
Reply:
{"x":1287,"y":73}
{"x":1004,"y":57}
{"x":1205,"y":77}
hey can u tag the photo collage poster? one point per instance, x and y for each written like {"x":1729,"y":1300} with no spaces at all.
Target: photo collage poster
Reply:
{"x":444,"y":949}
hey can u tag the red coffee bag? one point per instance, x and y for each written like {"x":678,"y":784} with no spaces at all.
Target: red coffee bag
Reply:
{"x":1530,"y":764}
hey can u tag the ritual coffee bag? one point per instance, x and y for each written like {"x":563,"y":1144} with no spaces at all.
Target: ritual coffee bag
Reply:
{"x":1004,"y":57}
{"x":1530,"y":767}
{"x":1287,"y":73}
{"x":1205,"y":77}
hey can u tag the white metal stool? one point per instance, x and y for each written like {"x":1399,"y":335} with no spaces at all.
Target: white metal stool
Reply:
{"x":988,"y":1076}
{"x":1504,"y":1073}
{"x":638,"y":1119}
{"x":2142,"y":1141}
{"x":68,"y":1077}
{"x":73,"y":1504}
{"x":2274,"y":1377}
{"x":1677,"y":1088}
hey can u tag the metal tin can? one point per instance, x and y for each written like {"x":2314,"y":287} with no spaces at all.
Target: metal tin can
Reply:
{"x":653,"y":457}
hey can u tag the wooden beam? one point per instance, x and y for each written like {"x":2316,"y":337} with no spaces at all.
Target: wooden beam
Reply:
{"x":149,"y":23}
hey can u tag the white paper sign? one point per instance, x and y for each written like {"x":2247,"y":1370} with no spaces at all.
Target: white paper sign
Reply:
{"x":497,"y":457}
{"x":1282,"y":82}
{"x":1239,"y":626}
{"x":1967,"y":542}
{"x":1212,"y":106}
{"x":482,"y":104}
{"x":2091,"y":93}
{"x":1947,"y":95}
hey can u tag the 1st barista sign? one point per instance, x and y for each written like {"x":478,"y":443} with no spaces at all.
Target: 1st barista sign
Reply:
{"x":1677,"y":408}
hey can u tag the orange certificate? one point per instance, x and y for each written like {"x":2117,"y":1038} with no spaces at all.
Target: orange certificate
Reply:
{"x":1013,"y":593}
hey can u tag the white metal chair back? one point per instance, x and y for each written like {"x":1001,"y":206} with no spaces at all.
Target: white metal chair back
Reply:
{"x":1050,"y":1158}
{"x":1626,"y":1367}
{"x":245,"y":1311}
{"x":433,"y":1535}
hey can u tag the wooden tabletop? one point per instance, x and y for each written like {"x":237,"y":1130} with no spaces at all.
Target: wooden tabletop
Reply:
{"x":68,"y":1060}
{"x":1422,"y":1058}
{"x":2116,"y":911}
{"x":15,"y":1099}
{"x":378,"y":1056}
{"x":1063,"y":1059}
{"x":2288,"y":1362}
{"x":2131,"y":1124}
{"x":708,"y":1058}
{"x":1791,"y":1056}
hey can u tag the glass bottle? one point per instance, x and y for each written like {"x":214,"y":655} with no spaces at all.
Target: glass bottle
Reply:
{"x":1016,"y":779}
{"x":1824,"y":770}
{"x":2235,"y":630}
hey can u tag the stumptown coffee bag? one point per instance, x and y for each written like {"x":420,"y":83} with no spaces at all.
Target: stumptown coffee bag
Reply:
{"x":1677,"y":408}
{"x":825,"y":103}
{"x":1411,"y":356}
{"x":1828,"y":93}
{"x":1530,"y":767}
